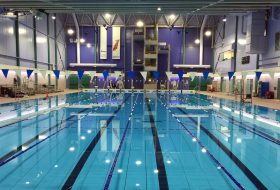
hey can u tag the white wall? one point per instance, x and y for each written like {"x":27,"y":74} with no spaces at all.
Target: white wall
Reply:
{"x":26,"y":46}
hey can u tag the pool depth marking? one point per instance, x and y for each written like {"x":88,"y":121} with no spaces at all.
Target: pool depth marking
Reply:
{"x":109,"y":177}
{"x":251,"y":176}
{"x":162,"y":177}
{"x":83,"y":159}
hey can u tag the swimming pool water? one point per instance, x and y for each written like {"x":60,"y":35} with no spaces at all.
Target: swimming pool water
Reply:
{"x":138,"y":141}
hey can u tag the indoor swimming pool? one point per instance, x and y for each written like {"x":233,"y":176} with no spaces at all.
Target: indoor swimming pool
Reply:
{"x":138,"y":140}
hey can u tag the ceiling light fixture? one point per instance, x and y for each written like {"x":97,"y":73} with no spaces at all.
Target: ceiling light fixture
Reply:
{"x":159,"y":9}
{"x":197,"y":41}
{"x":172,"y":16}
{"x":70,"y":31}
{"x":107,"y":16}
{"x":53,"y":17}
{"x":208,"y":33}
{"x":82,"y":40}
{"x":140,"y":23}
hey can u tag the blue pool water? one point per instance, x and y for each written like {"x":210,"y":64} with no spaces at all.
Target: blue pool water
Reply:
{"x":138,"y":141}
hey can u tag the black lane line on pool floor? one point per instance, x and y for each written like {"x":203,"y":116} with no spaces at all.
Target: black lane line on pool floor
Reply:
{"x":162,"y":177}
{"x":110,"y":175}
{"x":7,"y":157}
{"x":247,"y":127}
{"x":251,"y":176}
{"x":83,"y":159}
{"x":13,"y":153}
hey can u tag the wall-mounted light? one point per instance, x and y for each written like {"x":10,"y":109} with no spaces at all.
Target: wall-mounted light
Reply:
{"x":208,"y":33}
{"x":140,"y":23}
{"x":70,"y":31}
{"x":197,"y":41}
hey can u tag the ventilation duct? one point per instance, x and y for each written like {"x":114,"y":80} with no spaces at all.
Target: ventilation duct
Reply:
{"x":256,"y":42}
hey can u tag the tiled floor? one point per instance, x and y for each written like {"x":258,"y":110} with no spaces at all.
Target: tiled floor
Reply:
{"x":4,"y":100}
{"x":270,"y":103}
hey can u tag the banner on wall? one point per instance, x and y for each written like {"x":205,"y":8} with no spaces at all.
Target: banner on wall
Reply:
{"x":116,"y":42}
{"x":144,"y":74}
{"x":5,"y":72}
{"x":103,"y":43}
{"x":169,"y":75}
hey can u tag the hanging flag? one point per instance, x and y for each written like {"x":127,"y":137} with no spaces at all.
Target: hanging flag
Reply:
{"x":68,"y":73}
{"x":5,"y":72}
{"x":117,"y":73}
{"x":92,"y":74}
{"x":144,"y":74}
{"x":44,"y":73}
{"x":56,"y":73}
{"x":105,"y":74}
{"x":271,"y":73}
{"x":156,"y":74}
{"x":29,"y":72}
{"x":180,"y":74}
{"x":258,"y":75}
{"x":205,"y":74}
{"x":131,"y":74}
{"x":169,"y":75}
{"x":18,"y":72}
{"x":80,"y":73}
{"x":192,"y":75}
{"x":230,"y":74}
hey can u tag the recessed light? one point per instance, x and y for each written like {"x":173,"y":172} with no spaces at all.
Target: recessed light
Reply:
{"x":89,"y":131}
{"x":203,"y":150}
{"x":138,"y":162}
{"x":137,"y":184}
{"x":83,"y":137}
{"x":107,"y":161}
{"x":159,"y":9}
{"x":168,"y":162}
{"x":71,"y":149}
{"x":70,"y":31}
{"x":120,"y":170}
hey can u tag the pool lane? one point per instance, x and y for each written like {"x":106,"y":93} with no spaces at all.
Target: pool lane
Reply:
{"x":251,"y":149}
{"x":83,"y":159}
{"x":54,"y":150}
{"x":162,"y":177}
{"x":28,"y":141}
